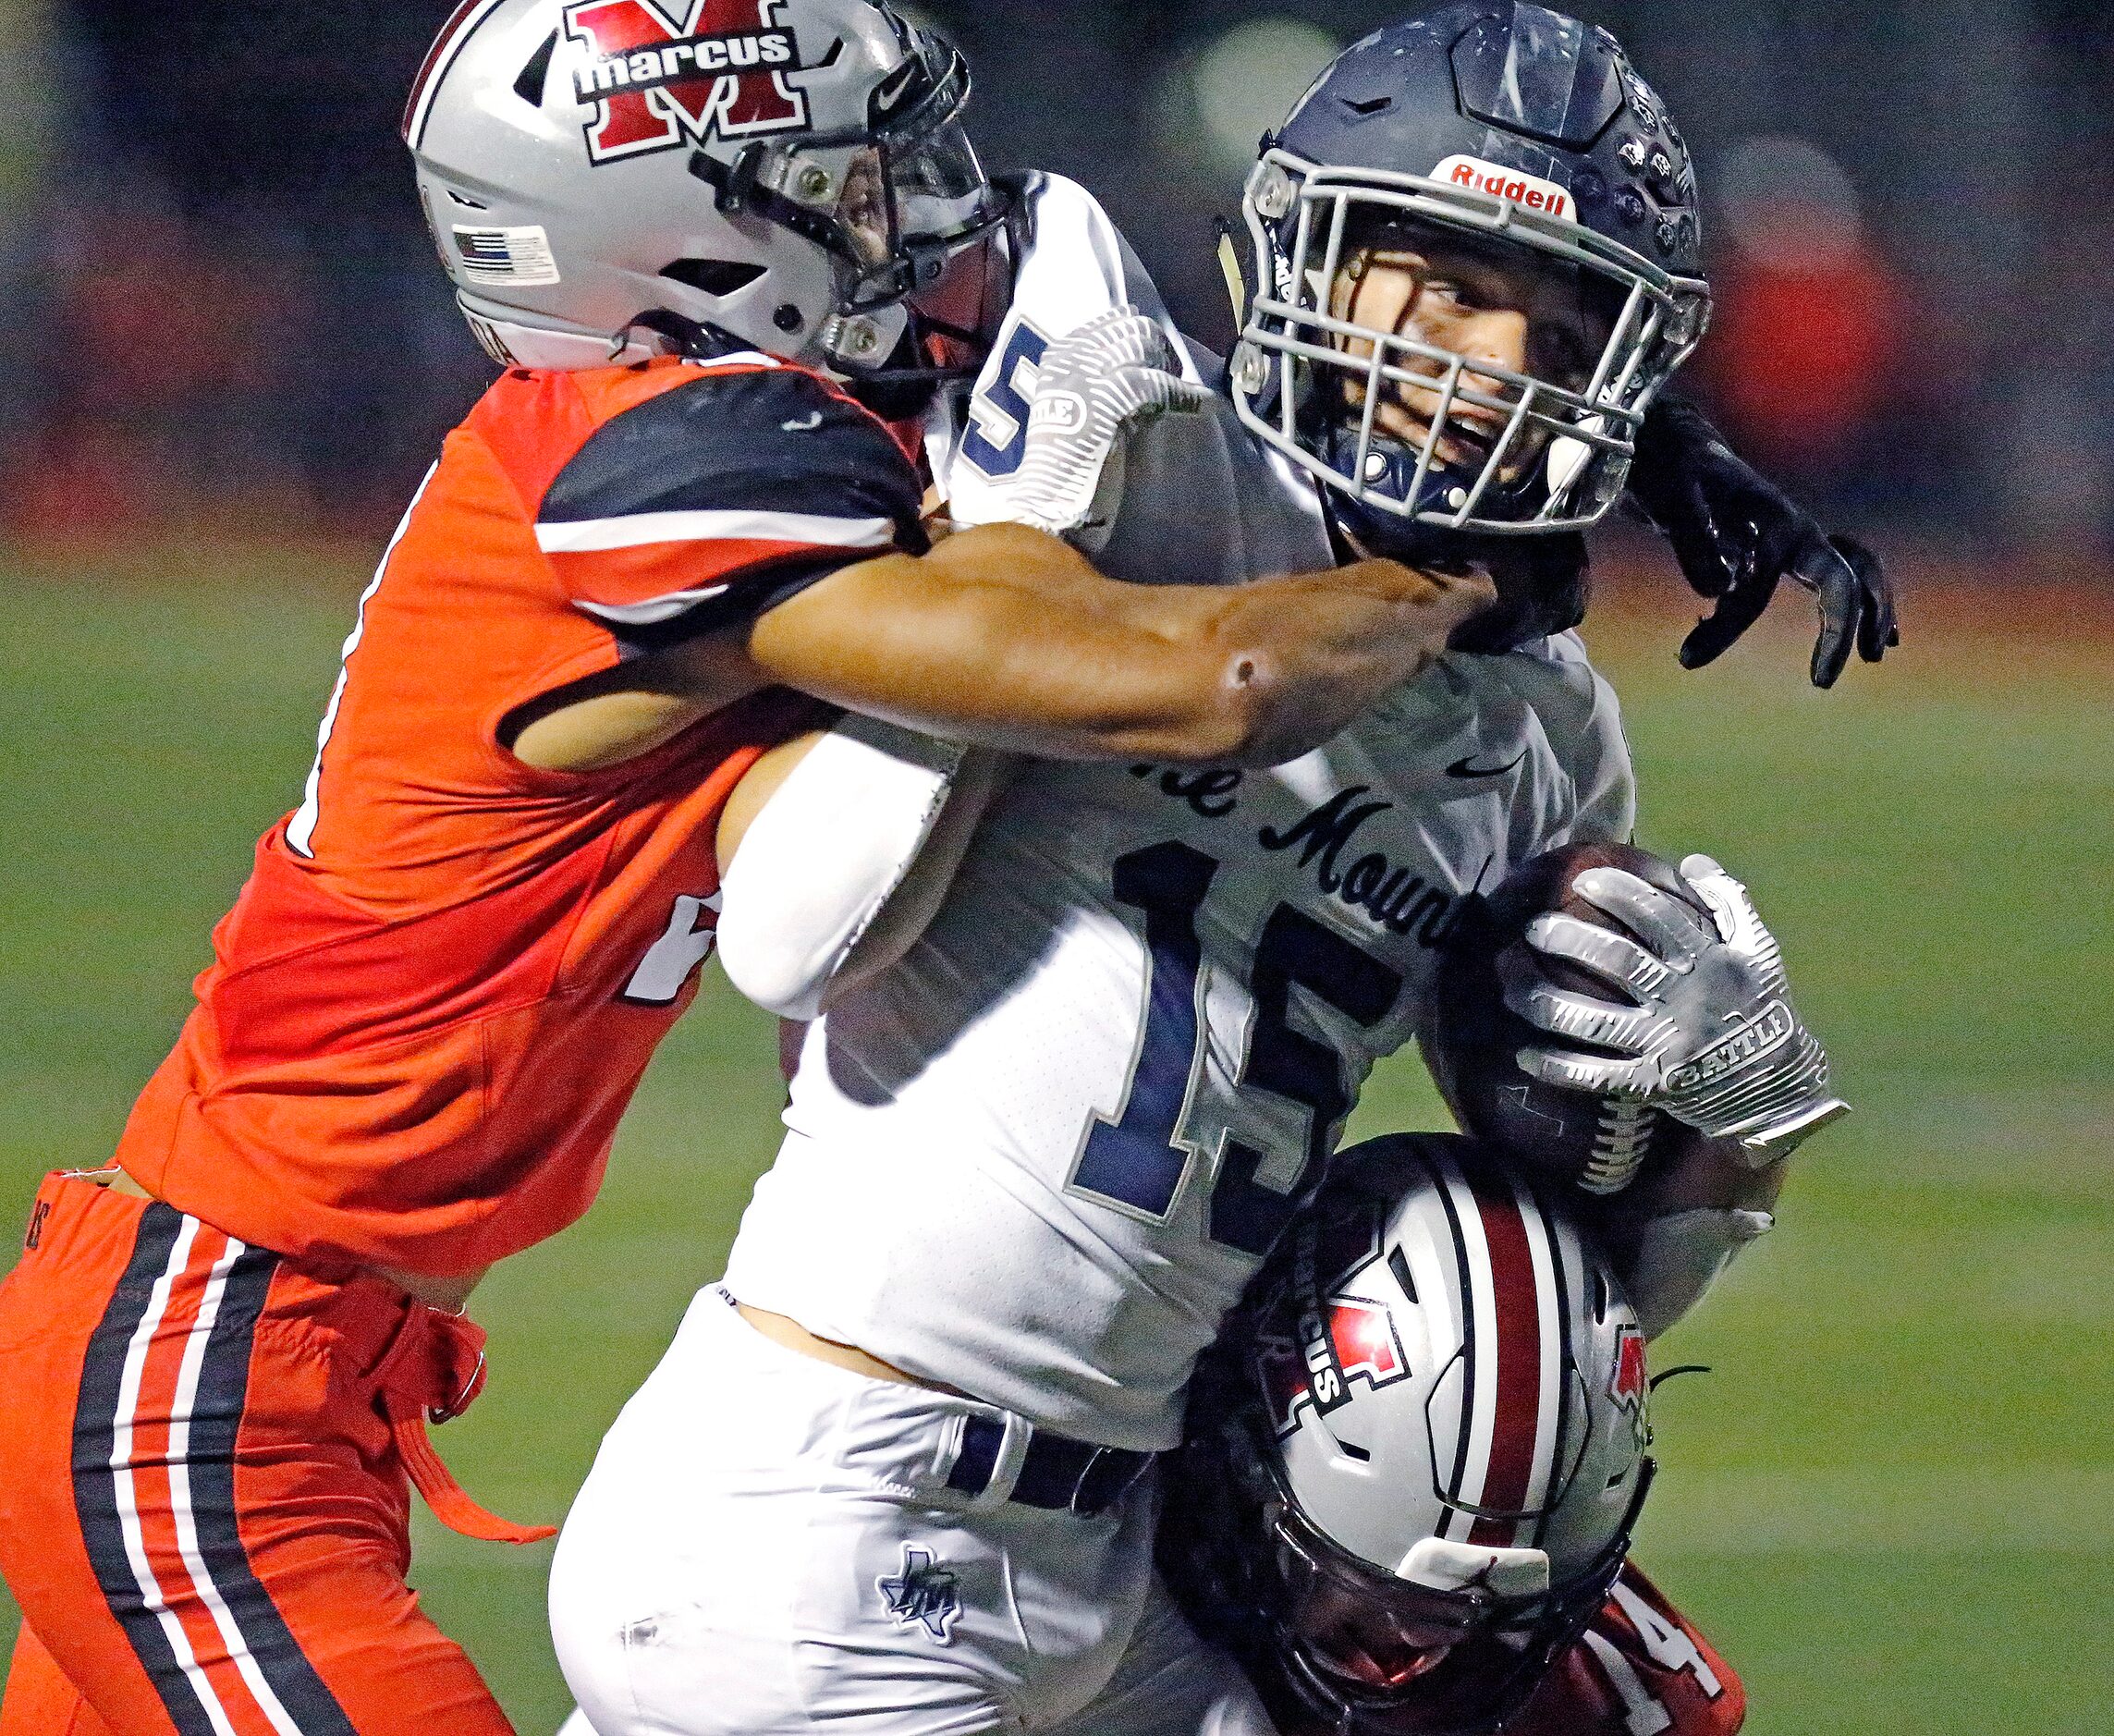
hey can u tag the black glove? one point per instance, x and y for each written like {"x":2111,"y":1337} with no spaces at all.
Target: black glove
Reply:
{"x":1737,"y":535}
{"x":1541,"y":583}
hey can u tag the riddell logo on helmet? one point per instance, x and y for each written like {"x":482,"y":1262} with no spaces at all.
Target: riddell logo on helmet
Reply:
{"x":697,"y":70}
{"x":1526,"y":190}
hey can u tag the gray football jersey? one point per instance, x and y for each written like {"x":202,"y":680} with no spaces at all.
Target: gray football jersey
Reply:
{"x":1038,"y":1159}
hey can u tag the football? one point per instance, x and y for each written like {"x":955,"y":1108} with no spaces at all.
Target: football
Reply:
{"x":1602,"y":1143}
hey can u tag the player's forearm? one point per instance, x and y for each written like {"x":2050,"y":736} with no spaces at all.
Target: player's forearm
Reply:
{"x":1327,"y":645}
{"x":1008,"y":639}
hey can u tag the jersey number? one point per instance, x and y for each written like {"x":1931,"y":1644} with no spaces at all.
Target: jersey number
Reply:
{"x":997,"y":438}
{"x":1138,"y":1161}
{"x":685,"y":945}
{"x":1666,"y":1645}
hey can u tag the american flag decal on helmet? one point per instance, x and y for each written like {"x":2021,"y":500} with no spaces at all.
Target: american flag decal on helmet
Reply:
{"x":697,"y":70}
{"x":517,"y":257}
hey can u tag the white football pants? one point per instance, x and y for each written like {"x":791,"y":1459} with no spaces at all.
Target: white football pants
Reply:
{"x":766,"y":1547}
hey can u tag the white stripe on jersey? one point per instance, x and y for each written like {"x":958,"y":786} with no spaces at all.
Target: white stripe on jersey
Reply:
{"x":587,"y":536}
{"x":653,"y":612}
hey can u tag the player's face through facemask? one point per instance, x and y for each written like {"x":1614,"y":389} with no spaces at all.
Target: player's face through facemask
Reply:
{"x":1519,"y":314}
{"x":1368,"y":1645}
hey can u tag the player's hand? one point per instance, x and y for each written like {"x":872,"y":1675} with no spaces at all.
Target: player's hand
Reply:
{"x":1736,"y":536}
{"x":1113,"y":373}
{"x":1700,"y":1021}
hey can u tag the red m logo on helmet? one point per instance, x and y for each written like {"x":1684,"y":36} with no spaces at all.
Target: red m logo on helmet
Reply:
{"x":696,"y":70}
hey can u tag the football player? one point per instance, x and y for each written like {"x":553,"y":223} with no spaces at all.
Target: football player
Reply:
{"x":1434,"y":1308}
{"x":1037,"y":1150}
{"x":434,"y":998}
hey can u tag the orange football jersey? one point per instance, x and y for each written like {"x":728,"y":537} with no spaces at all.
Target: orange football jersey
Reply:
{"x":437,"y":992}
{"x":1639,"y":1669}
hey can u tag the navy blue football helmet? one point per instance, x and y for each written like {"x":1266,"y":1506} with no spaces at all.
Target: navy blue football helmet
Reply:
{"x":1502,"y":131}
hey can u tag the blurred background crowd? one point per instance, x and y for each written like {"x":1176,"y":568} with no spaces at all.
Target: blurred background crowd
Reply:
{"x":223,"y":314}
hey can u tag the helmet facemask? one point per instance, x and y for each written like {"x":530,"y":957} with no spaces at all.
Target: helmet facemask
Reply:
{"x":1383,"y":1655}
{"x":1345,"y":363}
{"x":890,"y":202}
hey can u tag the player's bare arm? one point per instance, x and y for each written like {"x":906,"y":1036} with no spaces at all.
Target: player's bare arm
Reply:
{"x":1007,"y":637}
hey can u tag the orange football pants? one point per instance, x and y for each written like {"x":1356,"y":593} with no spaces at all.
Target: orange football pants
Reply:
{"x":205,"y":1460}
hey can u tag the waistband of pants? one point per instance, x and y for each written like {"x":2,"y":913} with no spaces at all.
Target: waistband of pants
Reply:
{"x":419,"y":1365}
{"x":987,"y":1456}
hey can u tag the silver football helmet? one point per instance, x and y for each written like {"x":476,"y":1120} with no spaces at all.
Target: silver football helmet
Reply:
{"x":1417,"y":1455}
{"x":786,"y":171}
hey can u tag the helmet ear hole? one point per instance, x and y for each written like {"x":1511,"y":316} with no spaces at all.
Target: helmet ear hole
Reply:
{"x":529,"y":86}
{"x":714,"y":277}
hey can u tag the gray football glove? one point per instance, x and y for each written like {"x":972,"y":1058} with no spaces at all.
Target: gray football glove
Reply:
{"x":1708,"y":1034}
{"x":1113,"y":373}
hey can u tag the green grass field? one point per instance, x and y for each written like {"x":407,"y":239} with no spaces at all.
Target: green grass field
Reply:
{"x":1893,"y":1504}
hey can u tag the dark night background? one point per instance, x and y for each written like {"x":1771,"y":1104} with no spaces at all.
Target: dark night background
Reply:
{"x":212,"y":202}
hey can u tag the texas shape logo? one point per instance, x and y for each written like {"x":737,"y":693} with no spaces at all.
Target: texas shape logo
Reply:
{"x":664,"y":72}
{"x":924,"y":1594}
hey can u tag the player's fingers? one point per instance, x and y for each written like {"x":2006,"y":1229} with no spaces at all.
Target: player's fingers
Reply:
{"x":1611,"y":957}
{"x":1667,"y":927}
{"x":1607,"y":1024}
{"x":1156,"y":393}
{"x":1117,"y":338}
{"x":1840,"y":596}
{"x":1877,"y":629}
{"x":1444,"y":601}
{"x":1582,"y":1072}
{"x":1779,"y":541}
{"x":1139,"y":342}
{"x":1737,"y":610}
{"x":1731,"y":907}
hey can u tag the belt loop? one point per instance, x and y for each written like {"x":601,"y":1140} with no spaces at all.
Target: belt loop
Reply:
{"x":1012,"y":1455}
{"x":1015,"y":1433}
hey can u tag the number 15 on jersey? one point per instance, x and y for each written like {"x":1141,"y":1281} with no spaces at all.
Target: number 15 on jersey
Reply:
{"x":1138,"y":1162}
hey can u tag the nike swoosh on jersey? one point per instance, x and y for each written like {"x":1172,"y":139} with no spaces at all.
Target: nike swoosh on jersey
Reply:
{"x":1464,"y":767}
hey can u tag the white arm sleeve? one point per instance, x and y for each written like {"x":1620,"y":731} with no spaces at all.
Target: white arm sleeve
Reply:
{"x":833,"y":844}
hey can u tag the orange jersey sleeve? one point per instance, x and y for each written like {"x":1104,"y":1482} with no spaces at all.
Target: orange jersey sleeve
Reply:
{"x":437,"y":992}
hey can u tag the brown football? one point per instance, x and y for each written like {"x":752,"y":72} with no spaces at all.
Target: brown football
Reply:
{"x":1602,"y":1143}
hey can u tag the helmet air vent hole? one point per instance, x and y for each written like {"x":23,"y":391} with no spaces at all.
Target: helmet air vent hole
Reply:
{"x":1369,"y":105}
{"x":830,"y":55}
{"x":714,"y":277}
{"x":467,"y":202}
{"x":529,"y":86}
{"x":787,"y":318}
{"x":1599,"y":1298}
{"x":1398,"y":1264}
